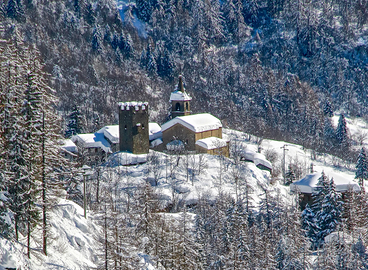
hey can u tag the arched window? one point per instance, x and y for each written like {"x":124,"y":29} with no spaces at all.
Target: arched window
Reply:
{"x":177,"y":107}
{"x":142,"y":126}
{"x":187,"y":106}
{"x":125,"y":127}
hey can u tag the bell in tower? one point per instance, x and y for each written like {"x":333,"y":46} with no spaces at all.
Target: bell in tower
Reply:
{"x":180,"y":100}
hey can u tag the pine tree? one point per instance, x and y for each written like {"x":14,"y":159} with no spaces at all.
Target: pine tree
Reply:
{"x":318,"y":200}
{"x":330,"y":214}
{"x":290,"y":175}
{"x":74,"y":125}
{"x":362,"y":168}
{"x":309,"y":225}
{"x":90,"y":14}
{"x":342,"y":136}
{"x":14,"y":10}
{"x":96,"y":39}
{"x":327,"y":109}
{"x":144,"y":9}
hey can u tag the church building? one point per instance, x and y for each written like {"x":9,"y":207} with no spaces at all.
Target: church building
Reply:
{"x":192,"y":132}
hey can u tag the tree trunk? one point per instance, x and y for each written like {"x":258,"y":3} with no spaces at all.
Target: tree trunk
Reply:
{"x":44,"y":220}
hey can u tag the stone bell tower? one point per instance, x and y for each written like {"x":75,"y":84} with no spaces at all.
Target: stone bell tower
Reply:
{"x":180,"y":100}
{"x":133,"y":127}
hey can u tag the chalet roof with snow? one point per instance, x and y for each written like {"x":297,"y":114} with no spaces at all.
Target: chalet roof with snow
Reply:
{"x":211,"y":143}
{"x":309,"y":183}
{"x":69,"y":146}
{"x":195,"y":122}
{"x":248,"y":154}
{"x":111,"y":133}
{"x":154,"y":131}
{"x":260,"y":159}
{"x":93,"y":140}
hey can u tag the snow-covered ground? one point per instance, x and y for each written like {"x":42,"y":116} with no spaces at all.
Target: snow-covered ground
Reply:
{"x":72,"y":242}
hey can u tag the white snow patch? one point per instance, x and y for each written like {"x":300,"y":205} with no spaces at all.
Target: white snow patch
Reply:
{"x":69,"y":146}
{"x":195,"y":122}
{"x":179,"y":96}
{"x":154,"y":131}
{"x":111,"y":133}
{"x":126,"y":158}
{"x":211,"y":143}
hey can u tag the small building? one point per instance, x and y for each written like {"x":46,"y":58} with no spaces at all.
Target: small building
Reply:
{"x":133,"y":127}
{"x":213,"y":146}
{"x":68,"y":149}
{"x":189,"y":129}
{"x":257,"y":158}
{"x":111,"y":134}
{"x":93,"y":146}
{"x":309,"y":185}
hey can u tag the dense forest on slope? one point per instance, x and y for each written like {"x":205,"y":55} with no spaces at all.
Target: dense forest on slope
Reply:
{"x":273,"y":68}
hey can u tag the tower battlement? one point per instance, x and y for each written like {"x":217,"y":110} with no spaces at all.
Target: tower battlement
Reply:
{"x":133,"y":106}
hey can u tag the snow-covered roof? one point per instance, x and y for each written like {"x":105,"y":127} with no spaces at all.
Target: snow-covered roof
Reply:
{"x":260,"y":159}
{"x":69,"y":146}
{"x":195,"y":122}
{"x":179,"y":96}
{"x":154,"y":131}
{"x":126,"y":158}
{"x":93,"y":140}
{"x":156,"y":142}
{"x":111,"y":133}
{"x":133,"y":104}
{"x":211,"y":143}
{"x":248,"y":154}
{"x":309,"y":183}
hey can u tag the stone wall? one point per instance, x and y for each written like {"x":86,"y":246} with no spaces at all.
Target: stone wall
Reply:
{"x":133,"y":130}
{"x":179,"y":132}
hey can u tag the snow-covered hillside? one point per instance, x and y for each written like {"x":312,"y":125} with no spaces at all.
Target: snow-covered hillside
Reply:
{"x":72,"y":244}
{"x":177,"y":180}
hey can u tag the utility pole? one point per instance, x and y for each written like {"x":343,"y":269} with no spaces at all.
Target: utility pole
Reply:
{"x":284,"y":162}
{"x":86,"y":172}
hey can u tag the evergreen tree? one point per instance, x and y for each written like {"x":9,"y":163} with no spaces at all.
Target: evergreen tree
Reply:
{"x":309,"y":225}
{"x":75,"y":123}
{"x":329,"y":135}
{"x":90,"y":14}
{"x":327,"y":109}
{"x":362,"y":168}
{"x":145,"y":9}
{"x":342,"y":136}
{"x":14,"y":9}
{"x":330,"y":213}
{"x":290,"y":175}
{"x":317,"y":207}
{"x":96,"y":39}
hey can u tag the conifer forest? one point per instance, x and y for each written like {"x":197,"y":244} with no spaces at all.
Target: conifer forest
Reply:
{"x":288,"y":72}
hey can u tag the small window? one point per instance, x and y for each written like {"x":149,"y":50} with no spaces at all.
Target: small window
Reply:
{"x":177,"y":107}
{"x":125,"y":127}
{"x":142,"y":126}
{"x":187,"y":106}
{"x":96,"y":150}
